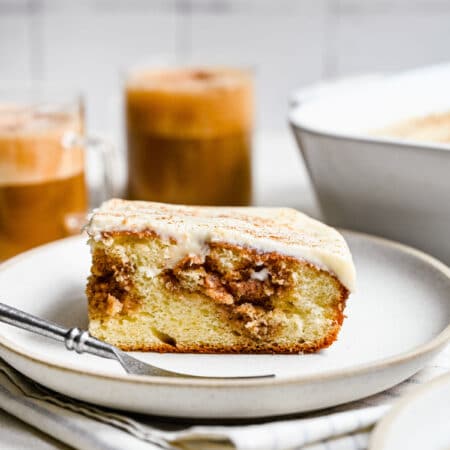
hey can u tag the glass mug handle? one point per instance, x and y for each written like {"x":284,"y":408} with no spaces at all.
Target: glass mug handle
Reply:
{"x":104,"y":150}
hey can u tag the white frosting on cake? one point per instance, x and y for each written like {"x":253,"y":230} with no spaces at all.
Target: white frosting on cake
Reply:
{"x":281,"y":230}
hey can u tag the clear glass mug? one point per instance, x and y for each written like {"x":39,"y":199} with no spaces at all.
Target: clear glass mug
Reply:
{"x":189,"y":134}
{"x":43,"y":190}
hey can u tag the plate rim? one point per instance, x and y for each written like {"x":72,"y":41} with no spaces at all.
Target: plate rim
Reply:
{"x":379,"y":435}
{"x":431,"y":346}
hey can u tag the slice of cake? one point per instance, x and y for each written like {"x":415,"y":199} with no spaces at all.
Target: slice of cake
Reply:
{"x":171,"y":278}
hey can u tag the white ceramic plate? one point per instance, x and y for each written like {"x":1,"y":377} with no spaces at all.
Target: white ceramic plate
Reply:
{"x":419,"y":421}
{"x":397,"y":320}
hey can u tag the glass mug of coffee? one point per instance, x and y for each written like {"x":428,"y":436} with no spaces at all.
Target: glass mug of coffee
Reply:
{"x":43,"y":191}
{"x":189,"y":133}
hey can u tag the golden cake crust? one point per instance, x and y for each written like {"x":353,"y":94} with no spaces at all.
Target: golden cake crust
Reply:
{"x":243,"y":349}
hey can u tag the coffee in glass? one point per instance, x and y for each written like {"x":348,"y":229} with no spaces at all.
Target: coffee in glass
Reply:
{"x":189,"y":135}
{"x":43,"y":192}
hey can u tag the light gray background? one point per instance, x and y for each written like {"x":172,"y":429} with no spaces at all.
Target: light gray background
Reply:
{"x":288,"y":43}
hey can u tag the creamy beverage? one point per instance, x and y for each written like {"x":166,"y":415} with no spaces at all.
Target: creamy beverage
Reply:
{"x":42,"y":182}
{"x":189,"y":136}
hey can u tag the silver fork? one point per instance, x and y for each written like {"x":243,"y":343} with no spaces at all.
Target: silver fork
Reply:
{"x":82,"y":342}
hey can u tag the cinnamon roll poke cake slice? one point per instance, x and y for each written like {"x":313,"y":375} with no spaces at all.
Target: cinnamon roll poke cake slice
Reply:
{"x":171,"y":278}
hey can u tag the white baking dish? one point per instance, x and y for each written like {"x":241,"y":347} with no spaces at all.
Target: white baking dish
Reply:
{"x":389,"y":187}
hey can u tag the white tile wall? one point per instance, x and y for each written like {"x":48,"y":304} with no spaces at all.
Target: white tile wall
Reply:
{"x":288,"y":43}
{"x":91,"y":45}
{"x":15,"y":50}
{"x":282,"y":44}
{"x":390,"y":40}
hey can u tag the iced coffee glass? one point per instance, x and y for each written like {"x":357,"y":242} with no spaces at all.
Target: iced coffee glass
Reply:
{"x":43,"y":192}
{"x":189,"y":133}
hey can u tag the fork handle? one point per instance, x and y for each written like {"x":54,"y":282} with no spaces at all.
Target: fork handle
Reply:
{"x":73,"y":338}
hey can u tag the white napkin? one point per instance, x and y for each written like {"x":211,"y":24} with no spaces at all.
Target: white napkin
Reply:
{"x":84,"y":426}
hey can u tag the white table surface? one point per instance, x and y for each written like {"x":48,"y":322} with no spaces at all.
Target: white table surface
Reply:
{"x":280,"y":179}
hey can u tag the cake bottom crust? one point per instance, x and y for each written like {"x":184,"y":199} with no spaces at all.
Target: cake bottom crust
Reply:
{"x":267,"y":348}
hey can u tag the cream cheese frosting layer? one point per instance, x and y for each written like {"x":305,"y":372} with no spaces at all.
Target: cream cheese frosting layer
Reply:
{"x":281,"y":230}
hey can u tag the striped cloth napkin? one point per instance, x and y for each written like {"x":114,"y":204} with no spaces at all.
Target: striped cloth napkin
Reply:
{"x":84,"y":426}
